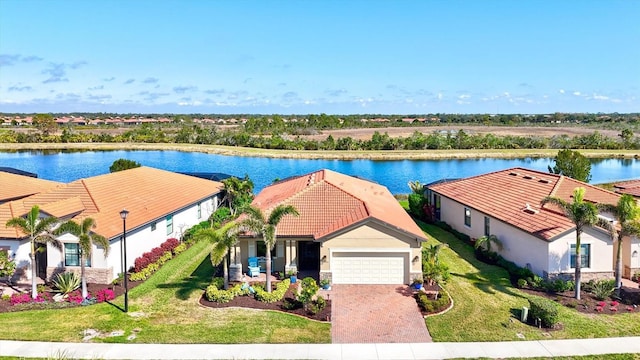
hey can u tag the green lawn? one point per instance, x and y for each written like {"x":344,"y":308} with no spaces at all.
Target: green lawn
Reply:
{"x":171,"y":314}
{"x":487,"y":306}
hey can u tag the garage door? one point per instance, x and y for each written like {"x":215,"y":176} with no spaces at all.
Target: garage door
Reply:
{"x":368,"y":268}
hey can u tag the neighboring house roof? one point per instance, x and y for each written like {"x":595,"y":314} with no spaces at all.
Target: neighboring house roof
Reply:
{"x":631,"y":187}
{"x":18,"y":171}
{"x":514,"y":195}
{"x":147,"y":193}
{"x":329,"y":201}
{"x":15,"y":186}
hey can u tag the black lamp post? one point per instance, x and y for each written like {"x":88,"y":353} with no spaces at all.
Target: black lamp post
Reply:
{"x":123,"y":215}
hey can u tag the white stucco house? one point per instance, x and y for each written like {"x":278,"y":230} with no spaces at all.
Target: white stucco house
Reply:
{"x":350,"y":231}
{"x":161,"y":205}
{"x":507,"y":204}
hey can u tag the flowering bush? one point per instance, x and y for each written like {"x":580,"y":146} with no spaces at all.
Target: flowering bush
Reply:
{"x":74,"y":297}
{"x":20,"y":299}
{"x":629,"y":308}
{"x":105,"y":295}
{"x":599,"y":309}
{"x":602,"y":304}
{"x":614,"y":303}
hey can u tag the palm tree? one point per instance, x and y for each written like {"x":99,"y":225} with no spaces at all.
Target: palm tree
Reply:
{"x":39,"y":231}
{"x":433,"y":271}
{"x":259,"y":223}
{"x":486,"y":241}
{"x":627,"y":214}
{"x":238,"y":192}
{"x":582,"y":214}
{"x":223,"y":239}
{"x":416,"y":187}
{"x":86,"y":240}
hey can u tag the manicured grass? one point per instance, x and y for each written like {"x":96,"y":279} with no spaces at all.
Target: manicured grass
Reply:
{"x":487,"y":307}
{"x":170,"y":313}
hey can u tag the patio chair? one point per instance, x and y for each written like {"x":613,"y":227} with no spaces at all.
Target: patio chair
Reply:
{"x":254,"y":268}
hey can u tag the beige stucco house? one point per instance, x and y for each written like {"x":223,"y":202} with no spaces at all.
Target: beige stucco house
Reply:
{"x":507,"y":204}
{"x":350,"y":231}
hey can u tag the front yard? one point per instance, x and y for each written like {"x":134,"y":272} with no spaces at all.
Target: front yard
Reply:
{"x":165,"y":309}
{"x":487,"y":306}
{"x":169,"y":313}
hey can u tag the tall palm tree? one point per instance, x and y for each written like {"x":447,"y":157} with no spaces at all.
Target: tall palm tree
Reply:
{"x":223,"y":239}
{"x":627,"y":214}
{"x":486,"y":241}
{"x":86,"y":239}
{"x":260,"y":224}
{"x":582,"y":214}
{"x":39,"y":231}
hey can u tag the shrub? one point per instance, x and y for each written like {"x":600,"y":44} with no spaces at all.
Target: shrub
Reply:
{"x":432,"y":306}
{"x":75,"y":297}
{"x":309,"y":289}
{"x":290,"y":304}
{"x":164,"y":258}
{"x":105,"y":295}
{"x":558,"y":285}
{"x":636,"y":276}
{"x":170,"y":244}
{"x":535,"y":282}
{"x":66,"y":282}
{"x":275,"y":295}
{"x":218,"y":282}
{"x":317,"y":305}
{"x":221,"y":215}
{"x":7,"y":265}
{"x":545,"y":310}
{"x":602,"y":289}
{"x":180,"y":248}
{"x":222,"y":296}
{"x":522,"y":283}
{"x":416,"y":204}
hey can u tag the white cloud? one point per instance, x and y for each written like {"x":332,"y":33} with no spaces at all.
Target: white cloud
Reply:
{"x":561,"y":91}
{"x":577,"y":93}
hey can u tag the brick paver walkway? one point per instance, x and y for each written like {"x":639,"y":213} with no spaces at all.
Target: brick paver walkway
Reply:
{"x":376,"y":314}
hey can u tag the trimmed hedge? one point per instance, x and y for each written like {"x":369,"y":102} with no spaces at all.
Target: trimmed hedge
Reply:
{"x":275,"y":295}
{"x":545,"y":310}
{"x":222,"y":296}
{"x":432,"y":306}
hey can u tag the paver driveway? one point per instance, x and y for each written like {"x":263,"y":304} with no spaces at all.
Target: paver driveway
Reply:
{"x":376,"y":314}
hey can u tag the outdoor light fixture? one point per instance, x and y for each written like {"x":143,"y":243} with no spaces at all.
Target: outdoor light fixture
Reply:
{"x":123,"y":215}
{"x":324,"y":258}
{"x":415,"y":259}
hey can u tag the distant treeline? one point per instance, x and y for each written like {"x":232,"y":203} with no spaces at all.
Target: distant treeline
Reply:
{"x":254,"y":135}
{"x":324,"y":121}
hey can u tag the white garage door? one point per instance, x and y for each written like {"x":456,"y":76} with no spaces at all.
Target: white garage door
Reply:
{"x":368,"y":268}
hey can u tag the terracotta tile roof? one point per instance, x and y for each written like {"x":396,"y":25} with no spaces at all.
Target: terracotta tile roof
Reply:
{"x":631,"y":187}
{"x":17,"y":186}
{"x":147,"y":193}
{"x":329,"y":201}
{"x":514,"y":196}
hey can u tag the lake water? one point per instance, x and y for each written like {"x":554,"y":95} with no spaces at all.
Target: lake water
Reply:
{"x":69,"y":166}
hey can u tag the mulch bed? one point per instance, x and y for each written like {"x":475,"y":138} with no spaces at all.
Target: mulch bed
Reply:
{"x":587,"y":304}
{"x":252,"y":303}
{"x":5,"y":306}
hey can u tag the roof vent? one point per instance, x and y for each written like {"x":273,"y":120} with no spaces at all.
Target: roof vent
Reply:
{"x":529,"y":209}
{"x":513,"y":173}
{"x":544,"y":181}
{"x":529,"y":177}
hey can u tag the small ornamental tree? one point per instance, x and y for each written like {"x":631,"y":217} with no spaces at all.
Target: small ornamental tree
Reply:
{"x":123,"y":164}
{"x":7,"y":265}
{"x":572,"y":164}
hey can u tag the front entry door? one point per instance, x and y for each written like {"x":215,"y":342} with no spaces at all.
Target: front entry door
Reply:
{"x":41,"y":263}
{"x":309,"y":253}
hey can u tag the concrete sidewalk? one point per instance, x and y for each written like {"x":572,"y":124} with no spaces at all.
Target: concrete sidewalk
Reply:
{"x":543,"y":348}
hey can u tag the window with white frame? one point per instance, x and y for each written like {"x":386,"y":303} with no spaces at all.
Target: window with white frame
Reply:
{"x":153,"y":226}
{"x":73,"y":254}
{"x":169,"y":224}
{"x":467,"y":217}
{"x":487,"y":226}
{"x":585,"y":256}
{"x":199,"y":210}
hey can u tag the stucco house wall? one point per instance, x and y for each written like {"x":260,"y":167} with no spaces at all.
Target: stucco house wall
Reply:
{"x":542,"y":257}
{"x":139,"y":241}
{"x":601,"y":247}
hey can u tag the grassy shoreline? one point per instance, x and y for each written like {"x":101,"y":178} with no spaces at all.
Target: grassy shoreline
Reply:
{"x":312,"y":154}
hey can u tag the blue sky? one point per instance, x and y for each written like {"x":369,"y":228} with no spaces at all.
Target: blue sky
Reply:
{"x":334,"y":57}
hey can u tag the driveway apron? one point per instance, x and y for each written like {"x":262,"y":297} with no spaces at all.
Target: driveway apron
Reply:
{"x":376,"y":314}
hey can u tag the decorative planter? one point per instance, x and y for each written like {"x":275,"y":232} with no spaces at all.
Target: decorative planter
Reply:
{"x":417,"y":286}
{"x":293,"y":279}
